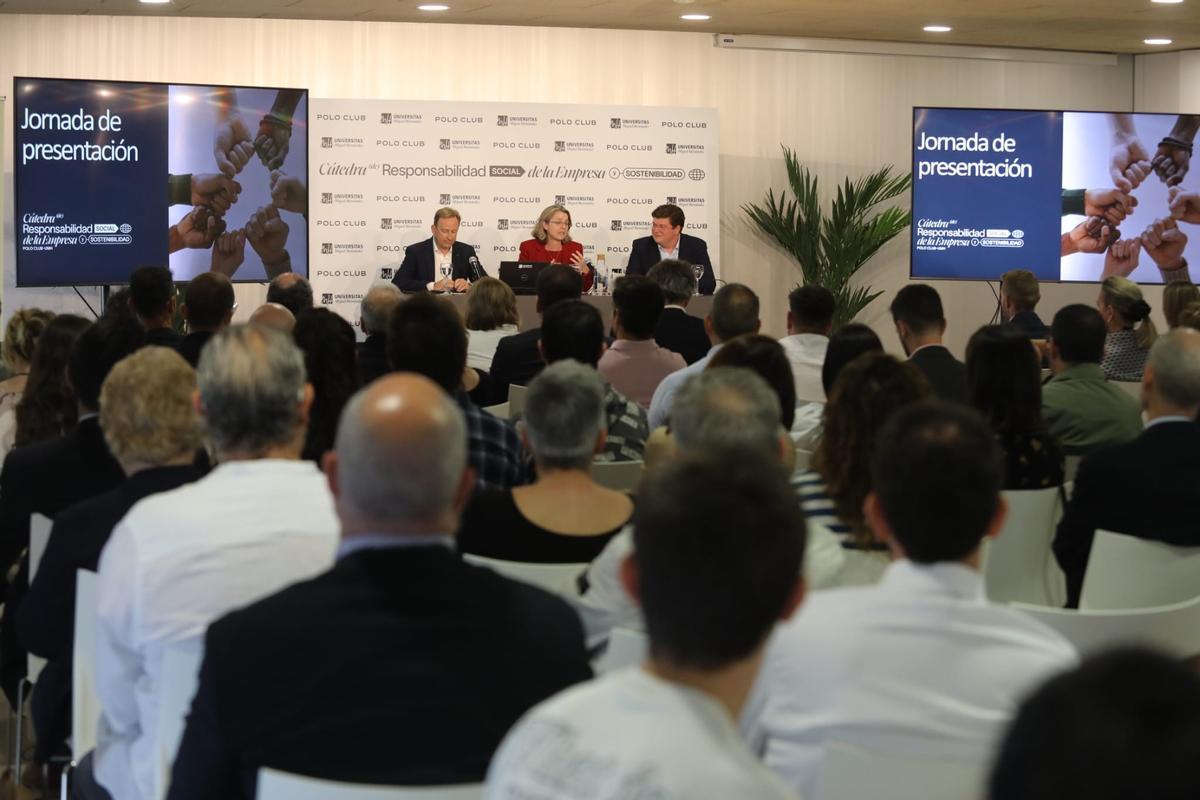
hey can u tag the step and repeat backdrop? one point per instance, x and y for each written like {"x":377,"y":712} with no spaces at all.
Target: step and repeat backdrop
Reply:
{"x":380,"y":168}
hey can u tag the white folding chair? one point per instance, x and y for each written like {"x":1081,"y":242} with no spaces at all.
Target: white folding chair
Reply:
{"x":849,"y":772}
{"x":276,"y":785}
{"x":179,"y":675}
{"x":1174,"y":628}
{"x":500,"y":410}
{"x":1132,"y":388}
{"x":626,"y":648}
{"x":1018,"y":565}
{"x":39,"y":537}
{"x":622,"y":476}
{"x":516,"y":398}
{"x":558,"y":578}
{"x":1070,"y":469}
{"x":1128,"y":572}
{"x":803,"y":459}
{"x":85,"y":705}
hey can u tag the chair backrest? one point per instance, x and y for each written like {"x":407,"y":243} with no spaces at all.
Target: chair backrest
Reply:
{"x":1174,"y":629}
{"x":276,"y":785}
{"x":500,"y":410}
{"x":85,"y":705}
{"x":848,"y":772}
{"x":1018,"y":564}
{"x":180,"y":673}
{"x":622,"y":476}
{"x":1132,"y":388}
{"x":39,"y":537}
{"x":558,"y":578}
{"x":1128,"y":572}
{"x":803,"y":459}
{"x":626,"y":648}
{"x":516,"y":398}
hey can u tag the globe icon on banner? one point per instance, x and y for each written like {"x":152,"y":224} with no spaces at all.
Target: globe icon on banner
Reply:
{"x":696,"y":174}
{"x":126,"y":228}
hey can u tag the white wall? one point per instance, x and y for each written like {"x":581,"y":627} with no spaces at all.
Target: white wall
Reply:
{"x":844,"y":114}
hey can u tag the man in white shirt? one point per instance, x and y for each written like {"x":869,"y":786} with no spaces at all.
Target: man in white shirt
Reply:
{"x":921,"y":663}
{"x":262,"y":520}
{"x":809,"y":321}
{"x":717,"y":564}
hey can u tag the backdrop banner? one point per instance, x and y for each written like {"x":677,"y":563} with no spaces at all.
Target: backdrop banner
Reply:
{"x":380,"y":168}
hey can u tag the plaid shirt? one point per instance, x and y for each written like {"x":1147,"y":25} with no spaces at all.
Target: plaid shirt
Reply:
{"x":627,"y":427}
{"x":493,"y":448}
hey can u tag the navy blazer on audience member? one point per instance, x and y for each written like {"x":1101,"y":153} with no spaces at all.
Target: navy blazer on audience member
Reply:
{"x":946,"y":374}
{"x":372,"y":358}
{"x":1145,"y":488}
{"x":644,"y":254}
{"x":192,"y":344}
{"x":679,"y":331}
{"x":417,"y":270}
{"x":1030,"y":324}
{"x":517,"y":360}
{"x":400,"y":666}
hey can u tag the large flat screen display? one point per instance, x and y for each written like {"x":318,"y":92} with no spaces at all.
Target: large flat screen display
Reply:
{"x":113,"y":175}
{"x":1072,"y":196}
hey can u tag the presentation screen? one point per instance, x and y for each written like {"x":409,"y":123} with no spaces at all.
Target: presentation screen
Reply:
{"x":113,"y":175}
{"x":1071,"y":196}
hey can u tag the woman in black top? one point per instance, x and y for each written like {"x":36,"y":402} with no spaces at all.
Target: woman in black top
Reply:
{"x":1004,"y":384}
{"x":565,"y":516}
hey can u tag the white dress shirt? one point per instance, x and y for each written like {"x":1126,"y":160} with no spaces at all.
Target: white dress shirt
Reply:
{"x":808,"y":425}
{"x":440,"y":259}
{"x":481,"y":346}
{"x":629,"y":734}
{"x":179,"y":560}
{"x":919,"y":664}
{"x":806,"y":352}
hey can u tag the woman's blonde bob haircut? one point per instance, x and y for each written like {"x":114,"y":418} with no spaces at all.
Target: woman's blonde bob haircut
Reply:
{"x":146,"y":408}
{"x":539,"y":232}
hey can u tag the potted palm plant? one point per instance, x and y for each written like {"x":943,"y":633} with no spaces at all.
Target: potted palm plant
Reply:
{"x":831,"y":249}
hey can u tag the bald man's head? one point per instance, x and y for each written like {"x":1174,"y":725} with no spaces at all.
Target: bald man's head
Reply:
{"x":291,"y":291}
{"x":400,"y":461}
{"x":1172,"y":375}
{"x":275,"y":317}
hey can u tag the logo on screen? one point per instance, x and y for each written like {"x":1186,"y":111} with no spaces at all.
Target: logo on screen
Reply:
{"x":616,"y":225}
{"x":385,"y":223}
{"x":614,"y":122}
{"x":445,"y":200}
{"x":502,"y":120}
{"x":385,"y":118}
{"x":444,"y":144}
{"x":670,"y":148}
{"x":326,"y":141}
{"x":385,"y":273}
{"x":696,"y":174}
{"x":327,"y":298}
{"x":326,"y":198}
{"x":560,"y":146}
{"x":326,"y":248}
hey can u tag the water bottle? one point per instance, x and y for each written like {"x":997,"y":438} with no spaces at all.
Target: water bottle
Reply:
{"x":600,"y":279}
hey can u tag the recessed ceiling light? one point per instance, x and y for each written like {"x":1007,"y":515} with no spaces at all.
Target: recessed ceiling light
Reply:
{"x":433,"y":7}
{"x":1157,"y":41}
{"x":696,"y":17}
{"x":937,"y":29}
{"x":156,"y":2}
{"x":1167,"y":2}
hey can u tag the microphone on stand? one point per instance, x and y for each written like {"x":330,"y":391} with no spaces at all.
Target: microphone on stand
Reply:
{"x":476,"y":268}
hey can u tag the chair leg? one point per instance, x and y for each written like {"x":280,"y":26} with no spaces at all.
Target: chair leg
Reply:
{"x":16,"y":762}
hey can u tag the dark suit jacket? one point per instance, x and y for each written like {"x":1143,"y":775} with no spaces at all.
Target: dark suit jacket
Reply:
{"x":517,"y":360}
{"x":418,"y":270}
{"x":1144,"y":488}
{"x":1030,"y":324}
{"x":192,"y":344}
{"x":46,"y":620}
{"x":679,"y":331}
{"x":400,"y":666}
{"x":946,"y":374}
{"x":372,"y":358}
{"x":644,"y":254}
{"x":163,"y":337}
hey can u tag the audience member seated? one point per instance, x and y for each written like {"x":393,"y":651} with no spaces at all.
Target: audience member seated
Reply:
{"x":262,"y":520}
{"x":1145,"y":487}
{"x":564,"y":516}
{"x":517,"y":359}
{"x":921,"y":323}
{"x":1124,"y":724}
{"x":328,"y":344}
{"x":21,"y":335}
{"x":719,"y":409}
{"x":1082,"y":409}
{"x":376,"y":308}
{"x":426,"y":336}
{"x":413,"y":663}
{"x":677,"y":329}
{"x":1019,"y":295}
{"x":1176,"y":297}
{"x":150,"y":424}
{"x":207,"y":308}
{"x":920,"y":664}
{"x":734,"y":312}
{"x":275,"y":317}
{"x":848,"y":343}
{"x":51,"y":475}
{"x":1125,"y":349}
{"x":152,"y":296}
{"x":634,"y":363}
{"x":1005,"y":383}
{"x":491,"y":316}
{"x":291,"y":291}
{"x":809,"y":323}
{"x":48,"y":408}
{"x":718,"y":552}
{"x":870,"y":390}
{"x":574,"y":329}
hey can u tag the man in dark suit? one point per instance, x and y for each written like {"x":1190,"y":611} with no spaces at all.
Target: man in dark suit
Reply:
{"x":422,"y":268}
{"x":1146,"y":487}
{"x":517,"y":358}
{"x":207,"y":307}
{"x":425,"y":661}
{"x":677,"y":329}
{"x":1019,"y":294}
{"x":377,"y":306}
{"x":152,"y":296}
{"x":921,"y":323}
{"x":667,"y":240}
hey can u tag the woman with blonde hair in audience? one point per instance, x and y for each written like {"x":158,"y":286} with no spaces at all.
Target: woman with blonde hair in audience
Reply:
{"x":564,"y":516}
{"x":1176,"y":297}
{"x":1189,"y":316}
{"x":1125,"y":347}
{"x":491,"y":315}
{"x":48,"y":407}
{"x":20,"y":342}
